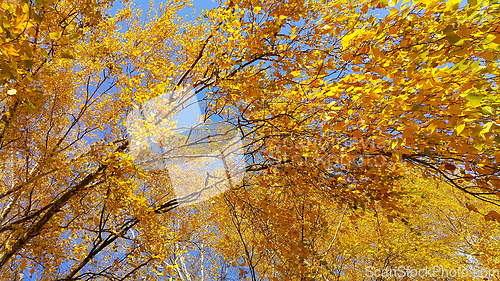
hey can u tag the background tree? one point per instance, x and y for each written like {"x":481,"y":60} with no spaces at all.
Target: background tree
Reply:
{"x":336,"y":107}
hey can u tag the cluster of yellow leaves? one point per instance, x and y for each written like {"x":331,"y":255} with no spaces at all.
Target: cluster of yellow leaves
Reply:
{"x":421,"y":81}
{"x":297,"y":232}
{"x":72,"y":201}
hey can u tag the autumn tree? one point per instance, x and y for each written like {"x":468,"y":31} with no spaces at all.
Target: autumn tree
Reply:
{"x":287,"y":234}
{"x":335,"y":106}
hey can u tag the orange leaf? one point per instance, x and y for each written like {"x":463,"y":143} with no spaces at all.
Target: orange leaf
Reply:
{"x":471,"y":208}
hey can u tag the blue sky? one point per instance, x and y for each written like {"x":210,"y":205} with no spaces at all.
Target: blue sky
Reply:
{"x":198,"y":5}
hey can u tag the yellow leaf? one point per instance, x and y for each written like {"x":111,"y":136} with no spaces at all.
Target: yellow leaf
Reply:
{"x":357,"y":134}
{"x":471,"y":208}
{"x":55,"y":35}
{"x":486,"y":128}
{"x":494,"y":215}
{"x":452,"y":4}
{"x":408,"y":133}
{"x":454,"y":109}
{"x":495,"y":181}
{"x":380,"y":71}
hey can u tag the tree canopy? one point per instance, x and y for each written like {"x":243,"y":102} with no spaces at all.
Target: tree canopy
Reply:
{"x":369,"y":134}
